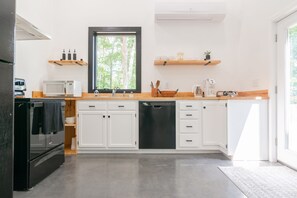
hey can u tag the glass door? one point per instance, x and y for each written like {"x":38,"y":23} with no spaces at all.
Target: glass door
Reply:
{"x":287,"y":90}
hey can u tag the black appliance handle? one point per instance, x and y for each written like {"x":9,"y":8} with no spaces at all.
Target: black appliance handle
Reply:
{"x":157,"y":106}
{"x":162,"y":104}
{"x":36,"y":104}
{"x":48,"y":156}
{"x":5,"y":61}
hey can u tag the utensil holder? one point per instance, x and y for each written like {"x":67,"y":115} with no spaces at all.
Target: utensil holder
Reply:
{"x":154,"y":92}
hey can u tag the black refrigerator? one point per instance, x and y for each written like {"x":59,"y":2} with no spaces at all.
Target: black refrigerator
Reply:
{"x":7,"y":32}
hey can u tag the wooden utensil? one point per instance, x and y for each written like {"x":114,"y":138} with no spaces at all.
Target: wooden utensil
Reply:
{"x":157,"y":84}
{"x":152,"y":85}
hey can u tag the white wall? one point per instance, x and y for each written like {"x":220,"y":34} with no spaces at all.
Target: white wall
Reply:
{"x":31,"y":56}
{"x":241,"y":41}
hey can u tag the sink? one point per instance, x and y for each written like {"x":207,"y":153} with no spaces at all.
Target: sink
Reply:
{"x":120,"y":96}
{"x":100,"y":96}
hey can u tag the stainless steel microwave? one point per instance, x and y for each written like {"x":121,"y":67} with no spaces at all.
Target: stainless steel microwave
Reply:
{"x":69,"y":88}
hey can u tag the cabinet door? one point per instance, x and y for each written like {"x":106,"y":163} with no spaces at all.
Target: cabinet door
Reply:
{"x":214,"y":123}
{"x":248,"y":129}
{"x":121,"y":129}
{"x":92,"y":129}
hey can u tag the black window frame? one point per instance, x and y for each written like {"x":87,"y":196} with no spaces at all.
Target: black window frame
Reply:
{"x":93,"y":32}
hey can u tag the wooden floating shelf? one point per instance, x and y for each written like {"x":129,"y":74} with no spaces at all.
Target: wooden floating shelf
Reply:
{"x":70,"y":125}
{"x":68,"y":62}
{"x":186,"y":62}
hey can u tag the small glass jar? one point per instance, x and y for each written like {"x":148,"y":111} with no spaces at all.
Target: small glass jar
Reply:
{"x":180,"y":56}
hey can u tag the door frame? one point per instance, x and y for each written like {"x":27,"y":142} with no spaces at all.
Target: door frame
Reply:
{"x":273,"y":79}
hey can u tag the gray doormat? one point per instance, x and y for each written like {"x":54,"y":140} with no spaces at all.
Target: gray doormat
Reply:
{"x":264,"y":181}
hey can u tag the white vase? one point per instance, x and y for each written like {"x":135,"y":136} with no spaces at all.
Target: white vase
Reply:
{"x":73,"y":143}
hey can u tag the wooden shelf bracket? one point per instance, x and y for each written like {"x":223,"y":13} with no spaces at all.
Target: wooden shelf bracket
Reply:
{"x":207,"y":63}
{"x":55,"y":62}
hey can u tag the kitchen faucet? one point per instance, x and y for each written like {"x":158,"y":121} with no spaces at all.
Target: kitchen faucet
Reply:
{"x":96,"y":92}
{"x":114,"y":90}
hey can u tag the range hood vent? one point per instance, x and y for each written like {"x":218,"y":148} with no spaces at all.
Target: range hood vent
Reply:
{"x":192,"y":11}
{"x":27,"y":31}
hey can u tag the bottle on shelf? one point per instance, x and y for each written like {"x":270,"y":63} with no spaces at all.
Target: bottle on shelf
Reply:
{"x":69,"y":55}
{"x":63,"y":55}
{"x":74,"y":55}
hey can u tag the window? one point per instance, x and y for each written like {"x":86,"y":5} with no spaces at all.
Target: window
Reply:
{"x":114,"y":59}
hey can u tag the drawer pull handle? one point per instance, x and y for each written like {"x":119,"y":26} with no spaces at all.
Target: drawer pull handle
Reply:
{"x":188,"y":114}
{"x":104,"y":116}
{"x":121,"y":106}
{"x":108,"y":116}
{"x":189,"y":140}
{"x":91,"y":106}
{"x":188,"y":105}
{"x":189,"y":126}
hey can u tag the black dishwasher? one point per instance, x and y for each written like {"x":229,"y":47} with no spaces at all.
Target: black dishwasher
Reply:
{"x":157,"y":124}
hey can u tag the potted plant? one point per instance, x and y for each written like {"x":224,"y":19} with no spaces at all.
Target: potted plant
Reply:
{"x":207,"y":55}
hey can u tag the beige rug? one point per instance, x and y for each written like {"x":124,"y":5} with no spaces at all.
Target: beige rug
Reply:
{"x":264,"y":181}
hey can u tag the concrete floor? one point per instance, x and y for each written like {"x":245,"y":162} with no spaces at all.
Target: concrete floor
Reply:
{"x":137,"y":176}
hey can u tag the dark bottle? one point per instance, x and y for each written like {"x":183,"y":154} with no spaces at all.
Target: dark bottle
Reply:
{"x":69,"y":55}
{"x":63,"y":55}
{"x":74,"y":55}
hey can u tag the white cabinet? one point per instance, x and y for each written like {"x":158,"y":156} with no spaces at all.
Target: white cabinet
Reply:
{"x":238,"y":128}
{"x":248,"y":129}
{"x":121,"y":129}
{"x":107,"y":125}
{"x":189,"y":141}
{"x":214,"y":123}
{"x":91,"y":106}
{"x":92,"y":127}
{"x":188,"y":121}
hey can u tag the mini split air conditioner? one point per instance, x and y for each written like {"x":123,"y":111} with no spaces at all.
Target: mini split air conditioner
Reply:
{"x":191,"y":11}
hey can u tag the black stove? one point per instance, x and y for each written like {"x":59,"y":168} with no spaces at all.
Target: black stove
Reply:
{"x":39,"y":140}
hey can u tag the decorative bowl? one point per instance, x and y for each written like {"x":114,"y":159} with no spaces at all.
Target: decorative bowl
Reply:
{"x":70,"y":120}
{"x":168,"y":93}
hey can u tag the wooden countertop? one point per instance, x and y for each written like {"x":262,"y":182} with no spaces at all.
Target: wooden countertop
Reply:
{"x":248,"y":95}
{"x":165,"y":98}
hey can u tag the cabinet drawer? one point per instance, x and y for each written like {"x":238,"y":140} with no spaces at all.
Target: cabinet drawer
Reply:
{"x":190,"y":126}
{"x":91,"y":105}
{"x":189,"y":106}
{"x":189,"y":114}
{"x":189,"y":140}
{"x":118,"y":105}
